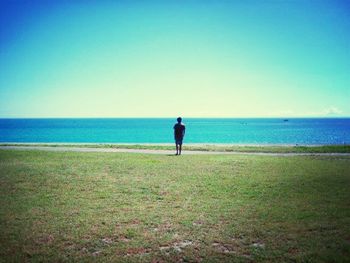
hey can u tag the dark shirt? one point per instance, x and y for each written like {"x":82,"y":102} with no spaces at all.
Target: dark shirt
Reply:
{"x":179,"y":130}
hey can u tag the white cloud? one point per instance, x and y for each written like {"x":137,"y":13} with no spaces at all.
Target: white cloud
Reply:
{"x":332,"y":111}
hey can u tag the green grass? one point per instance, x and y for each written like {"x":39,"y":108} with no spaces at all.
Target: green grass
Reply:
{"x":209,"y":147}
{"x":69,"y":206}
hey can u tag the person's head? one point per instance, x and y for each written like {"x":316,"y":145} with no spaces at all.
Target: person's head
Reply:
{"x":179,"y":120}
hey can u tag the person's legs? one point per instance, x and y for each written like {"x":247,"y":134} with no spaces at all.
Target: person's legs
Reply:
{"x":178,"y":143}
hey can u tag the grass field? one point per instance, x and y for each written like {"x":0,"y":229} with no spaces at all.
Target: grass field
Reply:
{"x":69,"y":206}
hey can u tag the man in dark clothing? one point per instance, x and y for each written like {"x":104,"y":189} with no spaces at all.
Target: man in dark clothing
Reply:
{"x":179,"y":133}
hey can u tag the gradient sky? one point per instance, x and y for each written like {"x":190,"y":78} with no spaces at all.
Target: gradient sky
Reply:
{"x":171,"y":58}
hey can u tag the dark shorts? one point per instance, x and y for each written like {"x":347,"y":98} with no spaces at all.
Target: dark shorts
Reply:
{"x":178,"y":141}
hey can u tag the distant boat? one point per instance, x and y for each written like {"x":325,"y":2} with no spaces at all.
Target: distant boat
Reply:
{"x":285,"y":120}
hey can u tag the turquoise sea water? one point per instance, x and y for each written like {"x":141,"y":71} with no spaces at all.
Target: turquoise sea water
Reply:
{"x":134,"y":130}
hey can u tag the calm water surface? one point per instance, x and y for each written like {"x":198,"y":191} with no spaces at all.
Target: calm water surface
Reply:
{"x":120,"y":130}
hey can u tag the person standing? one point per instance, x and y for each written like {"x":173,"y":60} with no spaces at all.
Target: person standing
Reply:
{"x":179,"y":133}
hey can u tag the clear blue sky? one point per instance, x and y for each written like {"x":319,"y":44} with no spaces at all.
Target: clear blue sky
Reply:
{"x":170,"y":58}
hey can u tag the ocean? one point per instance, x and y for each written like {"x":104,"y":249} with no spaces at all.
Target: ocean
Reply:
{"x":306,"y":131}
